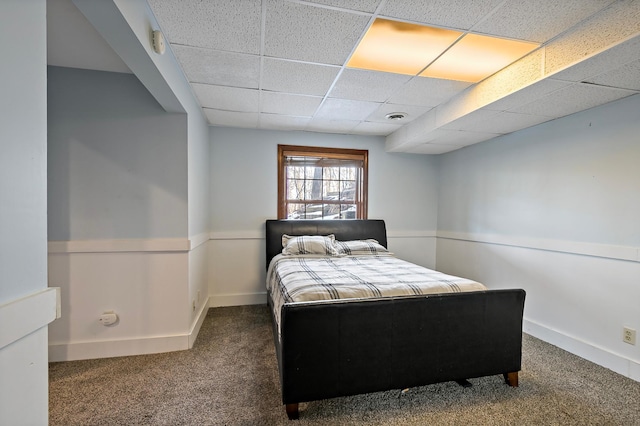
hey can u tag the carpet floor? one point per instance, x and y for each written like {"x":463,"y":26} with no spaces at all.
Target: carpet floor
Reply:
{"x":230,"y":377}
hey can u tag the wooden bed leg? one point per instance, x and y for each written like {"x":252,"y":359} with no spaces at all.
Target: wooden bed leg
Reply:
{"x":511,"y":379}
{"x":292,"y":411}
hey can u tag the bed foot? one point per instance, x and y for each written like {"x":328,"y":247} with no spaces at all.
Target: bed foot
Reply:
{"x":464,"y":383}
{"x":292,"y":411}
{"x":511,"y":379}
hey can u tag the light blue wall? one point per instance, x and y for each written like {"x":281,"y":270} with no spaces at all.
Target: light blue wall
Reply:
{"x":576,"y":178}
{"x":23,"y":149}
{"x":244,"y":163}
{"x":117,"y":160}
{"x":198,"y":174}
{"x":402,"y":187}
{"x":554,"y":209}
{"x":126,"y":25}
{"x":23,"y":212}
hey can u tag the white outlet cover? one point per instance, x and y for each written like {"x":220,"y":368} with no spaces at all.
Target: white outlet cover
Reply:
{"x":629,"y":335}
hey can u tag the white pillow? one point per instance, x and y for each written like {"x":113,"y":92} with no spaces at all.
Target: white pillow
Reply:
{"x":286,"y":238}
{"x":359,"y":247}
{"x":309,"y":244}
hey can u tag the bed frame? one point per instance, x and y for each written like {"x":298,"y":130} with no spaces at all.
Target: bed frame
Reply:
{"x":351,"y":347}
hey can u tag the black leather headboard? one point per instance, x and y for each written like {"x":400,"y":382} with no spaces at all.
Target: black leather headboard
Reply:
{"x":343,"y":229}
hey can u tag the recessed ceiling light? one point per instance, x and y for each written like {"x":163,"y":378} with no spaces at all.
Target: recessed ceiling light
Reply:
{"x":396,"y":116}
{"x":412,"y":49}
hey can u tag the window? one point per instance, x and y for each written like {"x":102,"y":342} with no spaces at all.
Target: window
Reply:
{"x":322,"y":183}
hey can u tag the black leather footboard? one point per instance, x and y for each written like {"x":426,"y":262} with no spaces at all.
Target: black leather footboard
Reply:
{"x":351,"y":347}
{"x":348,"y":347}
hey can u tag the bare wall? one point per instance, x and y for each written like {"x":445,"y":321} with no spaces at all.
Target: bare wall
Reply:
{"x":402,"y":190}
{"x":117,"y":160}
{"x":23,"y":210}
{"x":554,"y":209}
{"x":118,"y":218}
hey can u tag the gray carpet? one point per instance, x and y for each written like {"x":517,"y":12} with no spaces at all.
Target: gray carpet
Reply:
{"x":230,"y":377}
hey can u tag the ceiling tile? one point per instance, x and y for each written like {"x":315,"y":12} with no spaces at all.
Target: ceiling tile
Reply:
{"x":360,"y":5}
{"x":331,"y":126}
{"x":371,"y":128}
{"x":619,"y":21}
{"x":363,"y":85}
{"x":625,"y":77}
{"x":227,"y":98}
{"x":571,"y":99}
{"x":274,"y":64}
{"x":220,"y":68}
{"x":538,"y":20}
{"x":214,"y":24}
{"x":297,"y":77}
{"x":460,"y":14}
{"x":343,"y":109}
{"x":412,"y":112}
{"x":304,"y":32}
{"x":283,"y":103}
{"x":283,"y":122}
{"x":424,"y":91}
{"x":217,"y":117}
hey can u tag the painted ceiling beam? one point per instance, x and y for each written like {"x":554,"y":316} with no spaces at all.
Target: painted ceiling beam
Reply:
{"x":127,"y":26}
{"x":597,"y":44}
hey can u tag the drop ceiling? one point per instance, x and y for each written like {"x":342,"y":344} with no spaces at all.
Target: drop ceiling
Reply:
{"x":281,"y":64}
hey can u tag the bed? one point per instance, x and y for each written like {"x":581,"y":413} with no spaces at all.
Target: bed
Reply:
{"x":332,"y":348}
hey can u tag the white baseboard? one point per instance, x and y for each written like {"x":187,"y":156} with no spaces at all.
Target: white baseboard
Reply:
{"x":195,"y":330}
{"x":238,"y":299}
{"x":114,"y":348}
{"x":597,"y":355}
{"x":139,"y":346}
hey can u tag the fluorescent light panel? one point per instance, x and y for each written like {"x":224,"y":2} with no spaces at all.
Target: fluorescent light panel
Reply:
{"x":403,"y":48}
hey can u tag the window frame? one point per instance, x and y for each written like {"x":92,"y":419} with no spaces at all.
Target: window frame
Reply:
{"x":331,"y":153}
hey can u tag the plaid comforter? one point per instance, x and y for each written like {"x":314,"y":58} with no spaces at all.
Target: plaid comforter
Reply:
{"x":305,"y":278}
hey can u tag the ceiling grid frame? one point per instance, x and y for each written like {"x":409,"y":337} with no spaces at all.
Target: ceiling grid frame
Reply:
{"x":442,"y":112}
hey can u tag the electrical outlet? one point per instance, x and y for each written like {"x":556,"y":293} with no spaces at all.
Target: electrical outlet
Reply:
{"x":108,"y":318}
{"x":629,"y":335}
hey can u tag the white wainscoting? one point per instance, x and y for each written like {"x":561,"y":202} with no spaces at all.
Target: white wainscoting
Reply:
{"x":198,"y":284}
{"x":147,"y":283}
{"x":416,"y":247}
{"x":237,"y":266}
{"x":237,"y":270}
{"x":579,"y":295}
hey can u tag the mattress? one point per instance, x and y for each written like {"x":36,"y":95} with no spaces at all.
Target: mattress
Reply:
{"x":317,"y":278}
